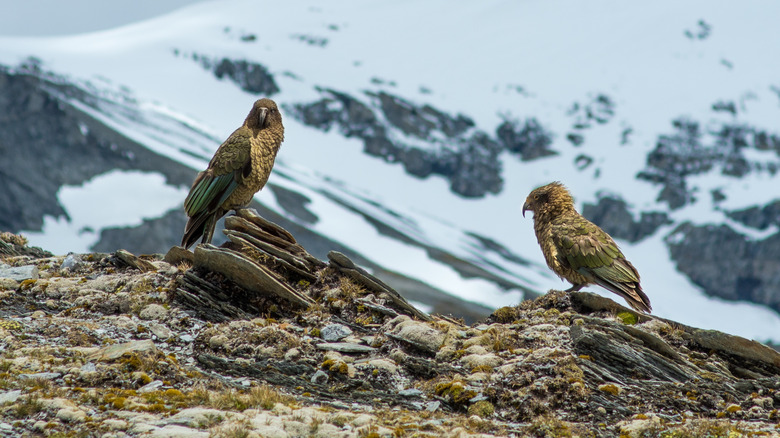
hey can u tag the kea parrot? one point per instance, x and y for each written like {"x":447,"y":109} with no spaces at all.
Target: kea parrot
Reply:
{"x":239,"y":169}
{"x":577,"y":250}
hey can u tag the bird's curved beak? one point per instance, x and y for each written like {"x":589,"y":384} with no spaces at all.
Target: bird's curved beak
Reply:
{"x":261,"y":117}
{"x":526,"y":207}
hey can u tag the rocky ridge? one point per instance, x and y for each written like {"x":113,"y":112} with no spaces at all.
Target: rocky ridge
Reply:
{"x":258,"y":338}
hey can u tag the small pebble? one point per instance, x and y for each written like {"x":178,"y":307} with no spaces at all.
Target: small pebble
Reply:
{"x":320,"y":377}
{"x":335,"y":332}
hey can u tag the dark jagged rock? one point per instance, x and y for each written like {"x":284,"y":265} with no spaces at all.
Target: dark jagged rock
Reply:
{"x":529,"y":140}
{"x":727,"y":264}
{"x":600,"y":109}
{"x":420,"y":122}
{"x":56,"y":136}
{"x":691,"y":151}
{"x":469,"y":160}
{"x":249,"y":76}
{"x":613,"y":216}
{"x":757,"y":217}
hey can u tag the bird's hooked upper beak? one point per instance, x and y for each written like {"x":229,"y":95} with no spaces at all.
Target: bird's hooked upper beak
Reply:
{"x":526,"y":207}
{"x":261,"y":117}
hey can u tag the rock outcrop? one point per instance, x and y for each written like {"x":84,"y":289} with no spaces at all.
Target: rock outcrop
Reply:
{"x":749,"y":272}
{"x":391,"y":126}
{"x":691,"y":150}
{"x":33,"y":118}
{"x":258,"y":338}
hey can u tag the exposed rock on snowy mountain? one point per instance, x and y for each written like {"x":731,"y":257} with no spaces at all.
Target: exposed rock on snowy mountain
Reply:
{"x":46,"y":144}
{"x":727,"y":264}
{"x":691,"y":151}
{"x":390,"y":126}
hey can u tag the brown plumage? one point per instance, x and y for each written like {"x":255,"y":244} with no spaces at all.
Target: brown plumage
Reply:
{"x":239,"y":169}
{"x":577,"y":250}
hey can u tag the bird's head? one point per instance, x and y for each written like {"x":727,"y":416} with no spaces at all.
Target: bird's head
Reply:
{"x":264,"y":114}
{"x":548,"y":200}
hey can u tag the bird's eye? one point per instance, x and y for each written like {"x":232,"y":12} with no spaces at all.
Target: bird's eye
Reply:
{"x":536,"y":197}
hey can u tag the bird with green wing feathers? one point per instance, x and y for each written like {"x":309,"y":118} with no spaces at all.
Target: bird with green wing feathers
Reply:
{"x":239,"y":169}
{"x":577,"y":250}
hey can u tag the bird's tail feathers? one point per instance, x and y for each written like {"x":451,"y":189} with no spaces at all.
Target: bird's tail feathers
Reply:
{"x":631,"y":292}
{"x":196,"y":227}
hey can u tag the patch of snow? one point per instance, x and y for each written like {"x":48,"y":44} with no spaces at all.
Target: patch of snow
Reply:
{"x":107,"y":200}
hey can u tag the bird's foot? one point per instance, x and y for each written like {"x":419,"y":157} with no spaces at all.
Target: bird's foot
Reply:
{"x":575,"y":288}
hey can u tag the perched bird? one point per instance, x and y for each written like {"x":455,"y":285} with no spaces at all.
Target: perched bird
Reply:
{"x":239,"y":169}
{"x":578,"y":250}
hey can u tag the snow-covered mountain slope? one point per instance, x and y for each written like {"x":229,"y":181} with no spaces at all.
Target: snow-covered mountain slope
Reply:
{"x":673,"y":114}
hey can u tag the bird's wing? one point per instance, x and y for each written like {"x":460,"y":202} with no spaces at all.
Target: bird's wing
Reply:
{"x":587,"y":249}
{"x":231,"y":163}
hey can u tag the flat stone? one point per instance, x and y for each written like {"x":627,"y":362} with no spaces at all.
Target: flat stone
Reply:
{"x":284,"y":259}
{"x":151,"y":386}
{"x":114,"y":352}
{"x":8,"y":284}
{"x":246,"y":273}
{"x":162,"y":332}
{"x":335,"y":332}
{"x":488,"y":360}
{"x":135,"y":261}
{"x":114,"y":424}
{"x":378,"y":307}
{"x":175,"y":431}
{"x":345,"y":347}
{"x":432,"y":406}
{"x":737,"y":346}
{"x":195,"y":417}
{"x":319,"y":377}
{"x":44,"y":376}
{"x":384,"y":364}
{"x":417,"y":333}
{"x":178,"y":255}
{"x":251,"y":215}
{"x":19,"y":273}
{"x":69,"y":415}
{"x":72,"y":261}
{"x":153,"y":312}
{"x":10,"y":396}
